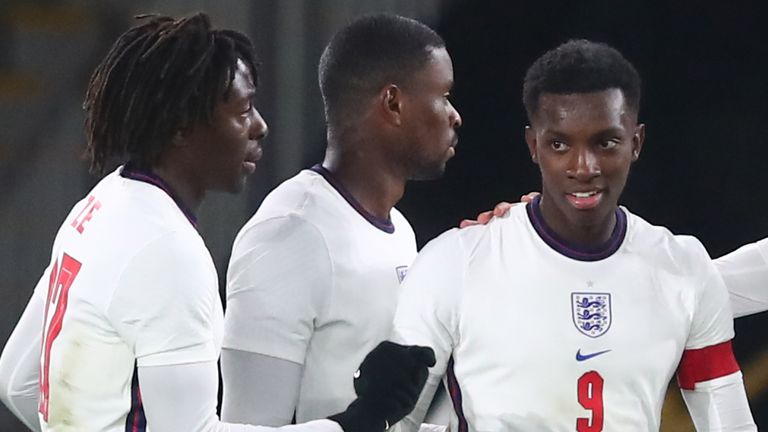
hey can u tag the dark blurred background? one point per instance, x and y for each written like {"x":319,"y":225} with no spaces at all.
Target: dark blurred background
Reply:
{"x":704,"y":71}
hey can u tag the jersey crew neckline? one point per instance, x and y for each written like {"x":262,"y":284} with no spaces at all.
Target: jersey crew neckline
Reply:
{"x":570,"y":249}
{"x":385,"y":225}
{"x":151,"y":178}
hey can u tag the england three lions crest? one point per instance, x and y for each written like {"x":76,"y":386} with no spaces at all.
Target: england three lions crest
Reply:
{"x":591,"y":313}
{"x":401,"y":272}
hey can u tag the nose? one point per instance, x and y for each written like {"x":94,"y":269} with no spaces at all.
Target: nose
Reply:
{"x":259,"y":128}
{"x":584,"y":165}
{"x":454,"y":117}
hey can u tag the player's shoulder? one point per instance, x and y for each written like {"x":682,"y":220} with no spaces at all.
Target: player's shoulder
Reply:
{"x":168,"y":271}
{"x":512,"y":223}
{"x":309,"y":200}
{"x":122,"y":215}
{"x":305,"y":194}
{"x":173,"y":256}
{"x":301,"y":192}
{"x":105,"y":189}
{"x":141,"y":204}
{"x":477,"y":238}
{"x":681,"y":253}
{"x":290,"y":231}
{"x":148,"y":261}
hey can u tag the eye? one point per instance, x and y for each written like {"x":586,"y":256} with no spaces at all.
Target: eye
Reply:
{"x":610,"y":143}
{"x":559,"y":146}
{"x":249,"y":108}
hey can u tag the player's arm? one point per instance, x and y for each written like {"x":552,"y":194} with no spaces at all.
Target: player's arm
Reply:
{"x":413,"y":421}
{"x":183,"y":397}
{"x":20,"y":361}
{"x":278,"y":282}
{"x":165,"y":306}
{"x":433,"y":428}
{"x":259,"y":388}
{"x":708,"y":375}
{"x":428,"y":312}
{"x":713,"y":389}
{"x":745,"y":272}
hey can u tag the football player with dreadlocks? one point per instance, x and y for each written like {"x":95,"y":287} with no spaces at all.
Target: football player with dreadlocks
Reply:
{"x":124,"y":329}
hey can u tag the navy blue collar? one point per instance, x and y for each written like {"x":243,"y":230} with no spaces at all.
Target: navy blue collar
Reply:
{"x":149,"y":177}
{"x":569,"y":249}
{"x":380,"y":223}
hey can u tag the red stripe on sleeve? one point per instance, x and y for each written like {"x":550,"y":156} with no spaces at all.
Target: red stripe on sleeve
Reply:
{"x":704,"y":364}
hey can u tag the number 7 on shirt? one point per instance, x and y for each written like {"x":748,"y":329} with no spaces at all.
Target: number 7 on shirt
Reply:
{"x":61,"y":279}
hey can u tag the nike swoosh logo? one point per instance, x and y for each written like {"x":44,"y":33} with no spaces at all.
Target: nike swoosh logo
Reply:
{"x":582,"y":357}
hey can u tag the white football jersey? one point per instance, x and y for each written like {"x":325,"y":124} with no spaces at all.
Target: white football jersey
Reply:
{"x":745,"y":272}
{"x":314,"y":279}
{"x":130,"y":283}
{"x":533,"y":334}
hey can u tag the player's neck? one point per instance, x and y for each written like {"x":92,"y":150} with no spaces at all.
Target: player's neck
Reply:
{"x":184,"y":187}
{"x":370,"y":183}
{"x":592,"y":234}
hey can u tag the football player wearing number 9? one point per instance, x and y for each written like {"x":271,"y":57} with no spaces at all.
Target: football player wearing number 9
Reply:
{"x":128,"y":313}
{"x":572,"y":313}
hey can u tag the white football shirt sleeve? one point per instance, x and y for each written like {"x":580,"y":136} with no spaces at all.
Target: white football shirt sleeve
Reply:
{"x":278,"y":283}
{"x":165,"y":301}
{"x":183,"y":398}
{"x":428,"y":311}
{"x":720,"y":405}
{"x":20,"y":361}
{"x":708,"y":375}
{"x":745,"y":272}
{"x":712,"y":321}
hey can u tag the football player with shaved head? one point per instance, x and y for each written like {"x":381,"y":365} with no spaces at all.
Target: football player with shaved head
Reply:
{"x":314,"y":275}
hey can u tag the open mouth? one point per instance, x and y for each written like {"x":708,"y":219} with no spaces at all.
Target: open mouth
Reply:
{"x":585,"y":200}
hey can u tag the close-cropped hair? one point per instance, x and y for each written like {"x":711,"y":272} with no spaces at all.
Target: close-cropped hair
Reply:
{"x":160,"y":77}
{"x":581,"y":66}
{"x":371,"y":52}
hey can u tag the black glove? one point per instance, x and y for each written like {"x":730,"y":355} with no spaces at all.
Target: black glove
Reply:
{"x":388,"y":384}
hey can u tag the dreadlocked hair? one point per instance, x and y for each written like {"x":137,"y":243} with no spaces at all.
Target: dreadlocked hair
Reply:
{"x":160,"y":77}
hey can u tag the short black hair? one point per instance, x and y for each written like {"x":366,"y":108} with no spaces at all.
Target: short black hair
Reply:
{"x":370,"y":52}
{"x":580,"y":66}
{"x":159,"y":77}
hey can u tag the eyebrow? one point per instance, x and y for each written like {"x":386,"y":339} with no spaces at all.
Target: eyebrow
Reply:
{"x":611,"y":131}
{"x":554,"y":132}
{"x":602,"y":132}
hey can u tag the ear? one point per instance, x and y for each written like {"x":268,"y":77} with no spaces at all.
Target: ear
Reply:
{"x":390,"y":102}
{"x":530,"y":139}
{"x":638,"y":138}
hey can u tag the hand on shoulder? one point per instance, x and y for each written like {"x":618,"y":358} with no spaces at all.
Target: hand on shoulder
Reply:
{"x":500,"y":209}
